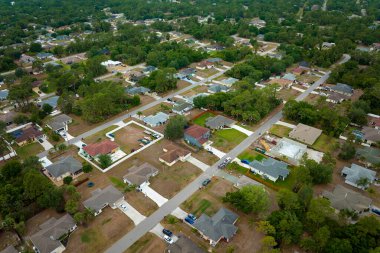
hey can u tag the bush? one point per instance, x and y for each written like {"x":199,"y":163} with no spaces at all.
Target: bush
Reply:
{"x":87,"y":168}
{"x":67,"y":180}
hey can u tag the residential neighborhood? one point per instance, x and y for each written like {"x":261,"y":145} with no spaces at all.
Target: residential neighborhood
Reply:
{"x":190,"y":126}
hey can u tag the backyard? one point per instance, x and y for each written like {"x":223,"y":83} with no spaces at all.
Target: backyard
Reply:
{"x":280,"y":131}
{"x":201,"y":120}
{"x":128,"y":136}
{"x":326,"y":144}
{"x":99,"y":136}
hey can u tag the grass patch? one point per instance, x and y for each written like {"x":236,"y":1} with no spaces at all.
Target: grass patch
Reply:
{"x":89,"y":236}
{"x":202,"y":207}
{"x":118,"y":183}
{"x":29,"y":150}
{"x":280,"y":131}
{"x":101,"y":135}
{"x":251,"y":155}
{"x":140,"y":244}
{"x":227,"y":139}
{"x":235,"y":167}
{"x":201,"y":120}
{"x":325,"y":144}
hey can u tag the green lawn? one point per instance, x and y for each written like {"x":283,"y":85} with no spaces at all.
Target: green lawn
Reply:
{"x":201,"y":121}
{"x":251,"y":155}
{"x":99,"y":135}
{"x":325,"y":144}
{"x":89,"y":235}
{"x":118,"y":183}
{"x":29,"y":150}
{"x":202,"y":207}
{"x":280,"y":131}
{"x":227,"y":139}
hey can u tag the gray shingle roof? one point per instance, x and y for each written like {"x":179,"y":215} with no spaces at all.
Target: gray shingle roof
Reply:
{"x":344,"y":88}
{"x":59,"y":121}
{"x":159,"y":118}
{"x":4,"y":94}
{"x":218,"y":88}
{"x":52,"y":101}
{"x":140,"y":174}
{"x":184,"y":245}
{"x":271,"y":167}
{"x":220,"y":225}
{"x":47,"y":239}
{"x":305,"y":133}
{"x":101,"y":198}
{"x":218,"y":122}
{"x":64,"y":165}
{"x":136,"y":90}
{"x":371,"y":134}
{"x":182,"y":106}
{"x":371,"y":155}
{"x":357,"y":172}
{"x":343,"y":198}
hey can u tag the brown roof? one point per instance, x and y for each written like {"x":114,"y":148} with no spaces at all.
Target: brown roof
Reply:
{"x":197,"y":132}
{"x":173,"y":152}
{"x":30,"y":132}
{"x":103,"y":147}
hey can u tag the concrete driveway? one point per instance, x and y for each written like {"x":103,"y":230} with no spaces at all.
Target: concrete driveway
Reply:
{"x":131,"y":212}
{"x":242,"y":129}
{"x":45,"y":144}
{"x":45,"y":161}
{"x":197,"y":163}
{"x":215,"y":151}
{"x":153,"y":195}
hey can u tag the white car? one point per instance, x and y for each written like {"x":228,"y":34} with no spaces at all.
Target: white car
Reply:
{"x":124,"y":207}
{"x":168,"y":239}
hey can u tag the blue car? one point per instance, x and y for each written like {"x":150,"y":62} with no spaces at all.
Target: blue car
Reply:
{"x":376,"y":211}
{"x":191,"y":216}
{"x":245,"y":161}
{"x":188,"y":220}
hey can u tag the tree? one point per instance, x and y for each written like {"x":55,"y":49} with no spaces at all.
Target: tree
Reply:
{"x":249,"y":199}
{"x":21,"y":93}
{"x":20,"y":72}
{"x":105,"y":161}
{"x":319,"y":210}
{"x":67,"y":180}
{"x":35,"y":47}
{"x":37,"y":66}
{"x":71,"y":206}
{"x":175,"y":128}
{"x":87,"y":168}
{"x":302,"y":177}
{"x":363,"y":182}
{"x":79,"y":217}
{"x":347,"y":151}
{"x":321,"y":173}
{"x":288,"y":228}
{"x":337,"y":245}
{"x":47,"y":109}
{"x":288,"y":200}
{"x":267,"y":245}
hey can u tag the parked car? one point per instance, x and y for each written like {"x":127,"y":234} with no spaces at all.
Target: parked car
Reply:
{"x":167,"y":232}
{"x":245,"y":161}
{"x":191,"y":216}
{"x":168,"y":239}
{"x":188,"y":220}
{"x":376,"y":211}
{"x":206,"y":182}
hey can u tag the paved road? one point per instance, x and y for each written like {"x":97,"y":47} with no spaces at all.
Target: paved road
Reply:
{"x":145,"y":226}
{"x":129,"y":114}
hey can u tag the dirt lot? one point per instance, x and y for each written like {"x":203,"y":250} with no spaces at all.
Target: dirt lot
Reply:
{"x":128,"y":136}
{"x":163,"y":107}
{"x":148,"y":243}
{"x":102,"y":232}
{"x":99,"y":136}
{"x":287,"y":94}
{"x":312,"y":99}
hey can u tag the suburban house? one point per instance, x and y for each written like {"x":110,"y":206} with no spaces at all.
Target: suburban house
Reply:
{"x":220,"y":226}
{"x":182,"y":108}
{"x":270,"y":168}
{"x":185,"y":73}
{"x":66,"y":166}
{"x":59,"y":123}
{"x":44,"y":56}
{"x":343,"y":198}
{"x":133,"y":76}
{"x":215,"y":88}
{"x":197,"y":135}
{"x":136,"y":90}
{"x":52,"y":101}
{"x":299,"y":71}
{"x":139,"y":175}
{"x":305,"y":134}
{"x":27,"y":59}
{"x":111,"y":63}
{"x":27,"y":134}
{"x":184,"y":245}
{"x":355,"y":174}
{"x":368,"y":155}
{"x":227,"y":82}
{"x":327,"y":45}
{"x":290,"y":77}
{"x":205,"y":65}
{"x":104,"y":147}
{"x":149,"y":69}
{"x":4,"y":94}
{"x":8,"y":117}
{"x":219,"y":122}
{"x":100,"y":199}
{"x":371,"y":135}
{"x":342,"y":88}
{"x":257,"y":22}
{"x":290,"y":150}
{"x":48,"y":238}
{"x":336,"y":98}
{"x":173,"y":154}
{"x":158,"y":119}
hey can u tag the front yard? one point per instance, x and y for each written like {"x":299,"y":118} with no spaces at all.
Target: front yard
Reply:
{"x":29,"y":150}
{"x":280,"y":131}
